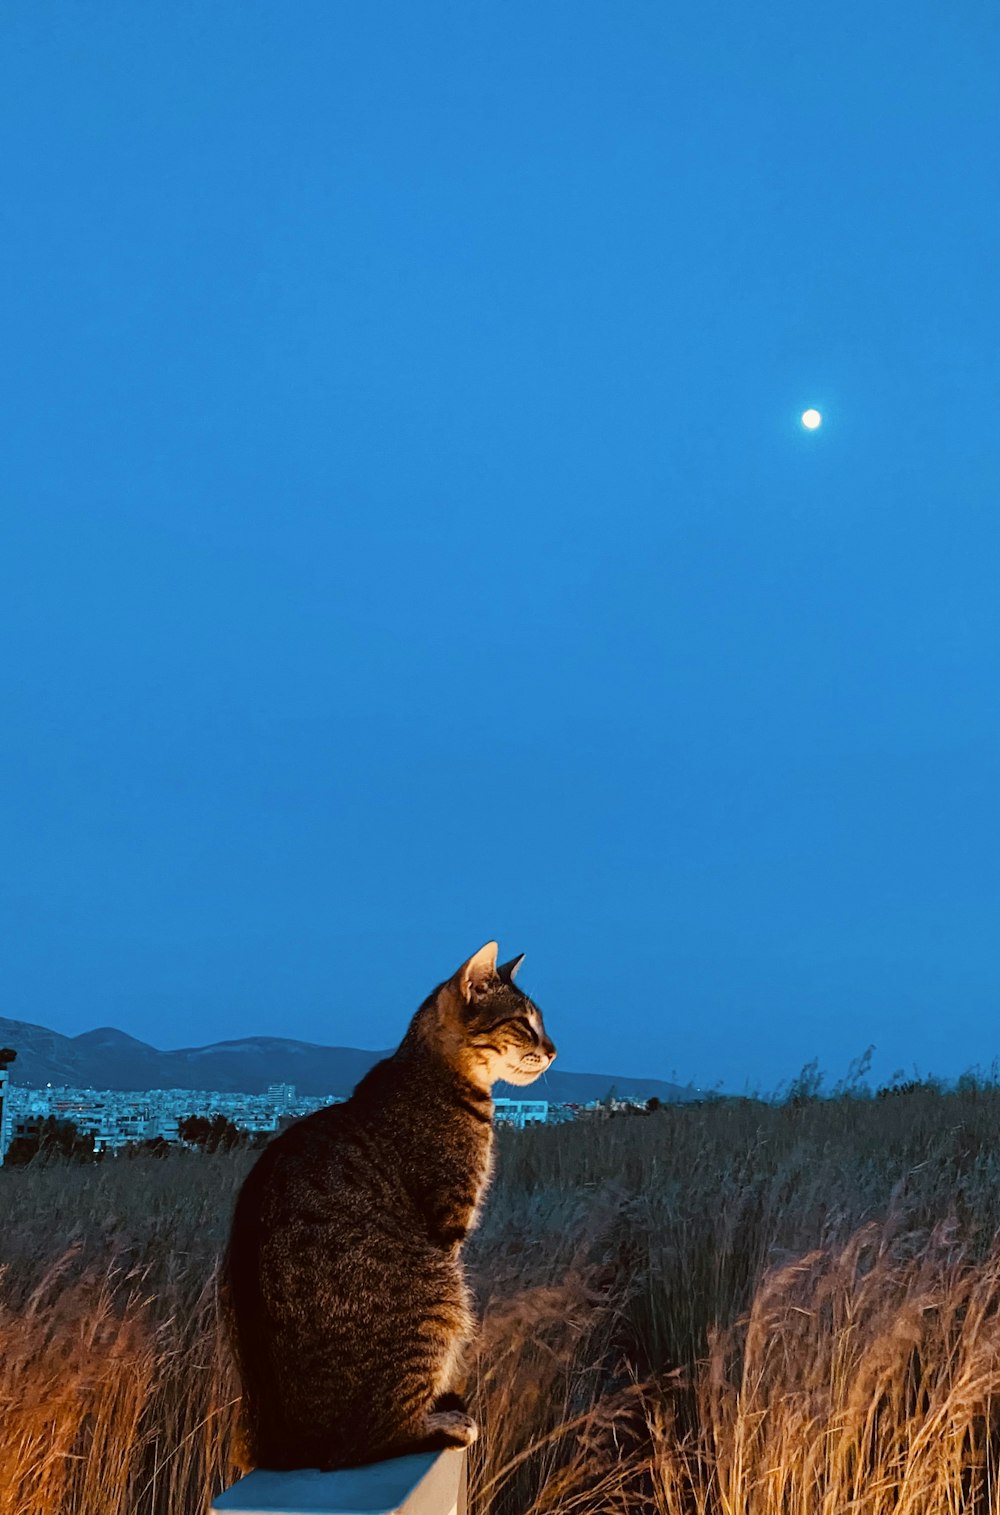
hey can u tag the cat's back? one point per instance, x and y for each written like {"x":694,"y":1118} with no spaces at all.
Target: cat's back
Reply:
{"x":335,"y":1160}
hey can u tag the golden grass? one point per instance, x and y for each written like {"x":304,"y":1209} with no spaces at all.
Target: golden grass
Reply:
{"x":115,"y":1393}
{"x":731,"y":1309}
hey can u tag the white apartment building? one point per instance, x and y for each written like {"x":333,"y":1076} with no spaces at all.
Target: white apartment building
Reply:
{"x":521,"y":1112}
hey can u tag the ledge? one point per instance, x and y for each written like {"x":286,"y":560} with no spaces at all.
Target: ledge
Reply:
{"x":427,"y":1483}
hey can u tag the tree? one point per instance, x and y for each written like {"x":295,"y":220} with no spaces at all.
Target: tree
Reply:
{"x":152,"y":1146}
{"x":215,"y":1135}
{"x":52,"y":1138}
{"x":7,"y":1056}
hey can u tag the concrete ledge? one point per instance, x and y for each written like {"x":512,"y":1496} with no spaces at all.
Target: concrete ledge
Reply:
{"x":428,"y":1483}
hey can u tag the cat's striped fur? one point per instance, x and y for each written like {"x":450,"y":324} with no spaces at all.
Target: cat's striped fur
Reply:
{"x":343,"y":1277}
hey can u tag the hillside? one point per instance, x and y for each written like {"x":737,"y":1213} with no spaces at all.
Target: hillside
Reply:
{"x":110,"y":1059}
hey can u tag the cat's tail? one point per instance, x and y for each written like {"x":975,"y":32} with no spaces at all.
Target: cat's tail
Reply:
{"x":239,"y":1308}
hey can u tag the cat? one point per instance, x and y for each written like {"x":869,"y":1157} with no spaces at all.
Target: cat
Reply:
{"x":342,"y":1279}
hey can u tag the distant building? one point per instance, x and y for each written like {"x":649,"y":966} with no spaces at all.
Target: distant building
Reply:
{"x":4,"y":1114}
{"x":120,"y":1118}
{"x":521,"y":1112}
{"x":281,"y":1096}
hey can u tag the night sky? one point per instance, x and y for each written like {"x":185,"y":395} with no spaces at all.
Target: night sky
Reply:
{"x":409,"y":538}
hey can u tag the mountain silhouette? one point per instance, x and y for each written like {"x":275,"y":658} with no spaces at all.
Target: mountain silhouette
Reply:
{"x":111,"y":1059}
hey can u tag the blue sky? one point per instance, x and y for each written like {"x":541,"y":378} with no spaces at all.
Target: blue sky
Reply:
{"x":408,"y":537}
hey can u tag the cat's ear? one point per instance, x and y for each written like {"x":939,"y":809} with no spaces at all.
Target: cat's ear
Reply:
{"x":474,"y":975}
{"x":508,"y":971}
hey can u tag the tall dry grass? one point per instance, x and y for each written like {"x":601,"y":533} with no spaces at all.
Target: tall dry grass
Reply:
{"x":115,"y":1392}
{"x":731,"y":1309}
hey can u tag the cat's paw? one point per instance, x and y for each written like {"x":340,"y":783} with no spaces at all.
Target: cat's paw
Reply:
{"x":453,"y":1428}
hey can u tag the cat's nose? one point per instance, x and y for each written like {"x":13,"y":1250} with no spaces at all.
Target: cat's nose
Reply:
{"x":548,"y":1048}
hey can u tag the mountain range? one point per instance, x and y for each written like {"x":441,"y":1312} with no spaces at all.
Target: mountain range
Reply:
{"x":111,"y":1059}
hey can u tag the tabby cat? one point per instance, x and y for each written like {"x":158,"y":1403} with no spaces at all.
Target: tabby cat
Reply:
{"x":343,"y":1280}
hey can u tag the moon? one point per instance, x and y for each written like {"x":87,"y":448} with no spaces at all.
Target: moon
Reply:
{"x":811,"y":419}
